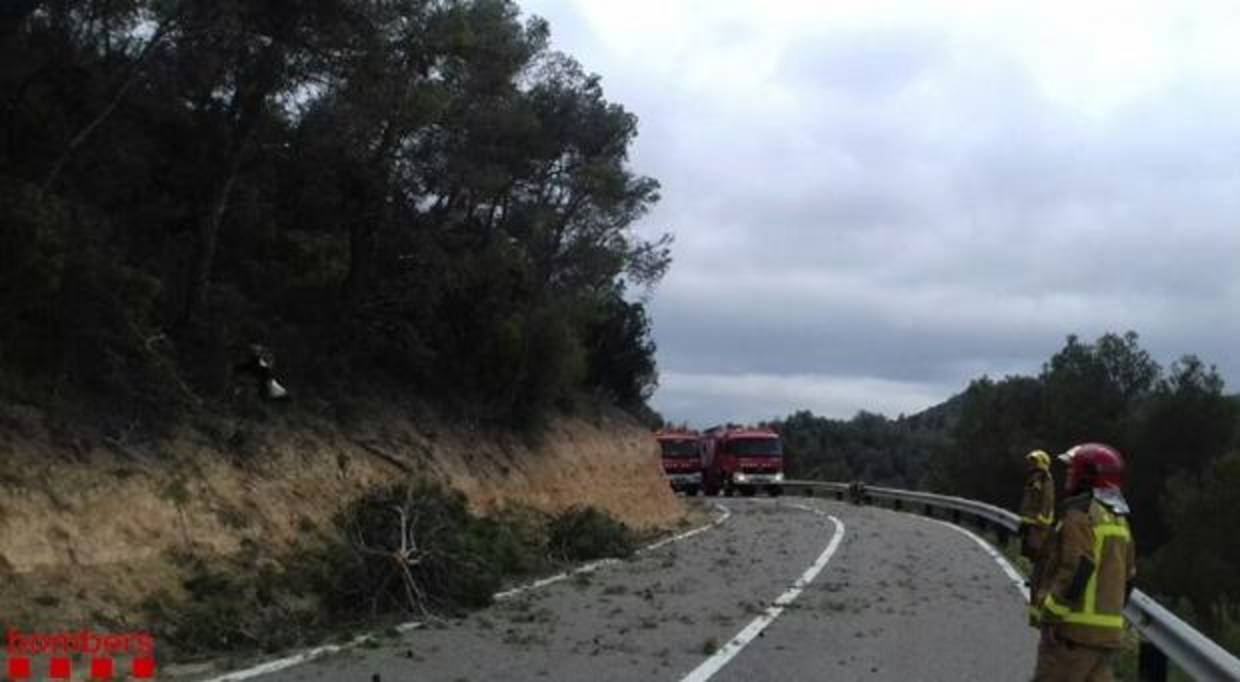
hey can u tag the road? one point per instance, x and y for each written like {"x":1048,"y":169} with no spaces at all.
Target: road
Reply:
{"x":895,"y":597}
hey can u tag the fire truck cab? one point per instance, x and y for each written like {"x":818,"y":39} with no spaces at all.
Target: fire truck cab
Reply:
{"x":742,"y":459}
{"x":682,"y":460}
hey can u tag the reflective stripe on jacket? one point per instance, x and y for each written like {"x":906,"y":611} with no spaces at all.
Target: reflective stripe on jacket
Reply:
{"x":1083,"y":584}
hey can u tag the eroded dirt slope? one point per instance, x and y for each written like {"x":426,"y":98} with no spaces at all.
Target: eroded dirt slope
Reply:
{"x":90,"y":525}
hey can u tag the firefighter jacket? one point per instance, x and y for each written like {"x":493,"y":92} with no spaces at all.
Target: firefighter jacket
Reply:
{"x":1087,"y":571}
{"x":1037,"y":512}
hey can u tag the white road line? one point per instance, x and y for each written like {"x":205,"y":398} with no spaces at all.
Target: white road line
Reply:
{"x":724,"y":514}
{"x":715,"y":663}
{"x":303,"y":657}
{"x":1017,"y":579}
{"x":319,"y":652}
{"x":552,"y":579}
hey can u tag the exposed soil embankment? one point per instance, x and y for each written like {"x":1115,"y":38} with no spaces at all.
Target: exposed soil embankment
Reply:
{"x":91,"y":525}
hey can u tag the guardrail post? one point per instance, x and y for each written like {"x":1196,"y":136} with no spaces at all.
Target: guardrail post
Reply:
{"x":956,"y":516}
{"x":929,"y":510}
{"x":897,"y":505}
{"x":1151,"y":663}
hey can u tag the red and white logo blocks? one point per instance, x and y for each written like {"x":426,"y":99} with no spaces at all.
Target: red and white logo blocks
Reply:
{"x":100,"y":657}
{"x":21,"y":668}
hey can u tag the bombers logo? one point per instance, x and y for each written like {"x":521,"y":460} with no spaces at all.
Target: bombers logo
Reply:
{"x":53,"y":656}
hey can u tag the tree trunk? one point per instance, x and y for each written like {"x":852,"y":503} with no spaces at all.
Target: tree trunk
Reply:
{"x":135,"y":74}
{"x":248,"y":102}
{"x":361,"y":259}
{"x":208,"y":240}
{"x":550,"y":258}
{"x":362,"y":232}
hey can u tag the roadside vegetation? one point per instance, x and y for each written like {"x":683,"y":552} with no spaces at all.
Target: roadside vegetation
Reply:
{"x":416,"y":204}
{"x":586,"y":533}
{"x":406,"y":552}
{"x":1178,"y":428}
{"x":417,"y":196}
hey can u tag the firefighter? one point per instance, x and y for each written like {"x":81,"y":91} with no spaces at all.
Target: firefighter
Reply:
{"x":1086,"y":571}
{"x":1037,"y":506}
{"x":260,"y":366}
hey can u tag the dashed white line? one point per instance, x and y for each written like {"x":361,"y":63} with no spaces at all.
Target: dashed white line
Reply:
{"x":552,"y":579}
{"x":303,"y":657}
{"x":724,"y":514}
{"x":716,"y":662}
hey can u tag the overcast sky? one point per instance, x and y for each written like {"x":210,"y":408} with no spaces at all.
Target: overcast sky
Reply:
{"x":875,"y":202}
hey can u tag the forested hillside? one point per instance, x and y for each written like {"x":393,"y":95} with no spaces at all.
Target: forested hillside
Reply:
{"x":869,"y":447}
{"x":1176,"y":426}
{"x":1177,"y":429}
{"x":417,"y":195}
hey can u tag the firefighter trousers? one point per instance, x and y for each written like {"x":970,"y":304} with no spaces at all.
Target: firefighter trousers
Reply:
{"x":1062,"y":661}
{"x":1032,"y":541}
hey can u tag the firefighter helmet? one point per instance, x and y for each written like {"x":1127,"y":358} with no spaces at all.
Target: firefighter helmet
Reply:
{"x":1039,"y":459}
{"x":1093,"y":465}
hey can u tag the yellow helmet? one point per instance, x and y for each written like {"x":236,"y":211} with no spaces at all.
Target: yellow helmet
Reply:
{"x":1039,"y":459}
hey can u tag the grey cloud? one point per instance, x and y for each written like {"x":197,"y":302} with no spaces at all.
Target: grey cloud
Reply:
{"x":701,"y":398}
{"x":911,"y":209}
{"x":878,"y":63}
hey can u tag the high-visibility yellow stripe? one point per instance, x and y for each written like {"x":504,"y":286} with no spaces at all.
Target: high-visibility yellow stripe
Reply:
{"x":1055,"y":607}
{"x":1067,"y":615}
{"x":1102,"y":533}
{"x":1038,"y":520}
{"x":1111,"y":527}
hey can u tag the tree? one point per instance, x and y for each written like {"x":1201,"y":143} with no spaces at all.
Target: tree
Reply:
{"x":1184,"y":426}
{"x":998,"y":424}
{"x":418,"y":193}
{"x":1199,"y":560}
{"x":1091,"y":388}
{"x":620,"y":352}
{"x":240,"y":59}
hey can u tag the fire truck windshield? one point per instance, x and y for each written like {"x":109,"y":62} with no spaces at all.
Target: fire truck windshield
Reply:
{"x":756,"y":447}
{"x":679,"y":448}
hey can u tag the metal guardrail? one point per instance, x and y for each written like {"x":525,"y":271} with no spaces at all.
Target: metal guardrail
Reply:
{"x":1164,"y":636}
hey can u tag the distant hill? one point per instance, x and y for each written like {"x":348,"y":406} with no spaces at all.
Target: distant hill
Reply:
{"x":869,"y":447}
{"x":941,"y":417}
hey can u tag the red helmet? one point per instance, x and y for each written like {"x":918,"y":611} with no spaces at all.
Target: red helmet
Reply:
{"x":1093,"y":465}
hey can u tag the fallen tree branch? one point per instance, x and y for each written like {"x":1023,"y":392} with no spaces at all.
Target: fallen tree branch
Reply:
{"x":385,"y":456}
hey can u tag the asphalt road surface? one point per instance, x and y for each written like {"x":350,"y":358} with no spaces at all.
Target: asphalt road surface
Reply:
{"x":815,"y":590}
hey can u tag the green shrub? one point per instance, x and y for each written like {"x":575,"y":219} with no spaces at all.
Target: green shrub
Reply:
{"x":452,"y":561}
{"x":456,"y":561}
{"x":228,"y":611}
{"x":518,"y":539}
{"x":586,"y":533}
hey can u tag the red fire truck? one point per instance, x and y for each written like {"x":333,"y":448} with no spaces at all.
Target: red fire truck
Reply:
{"x":742,"y":459}
{"x":682,"y":459}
